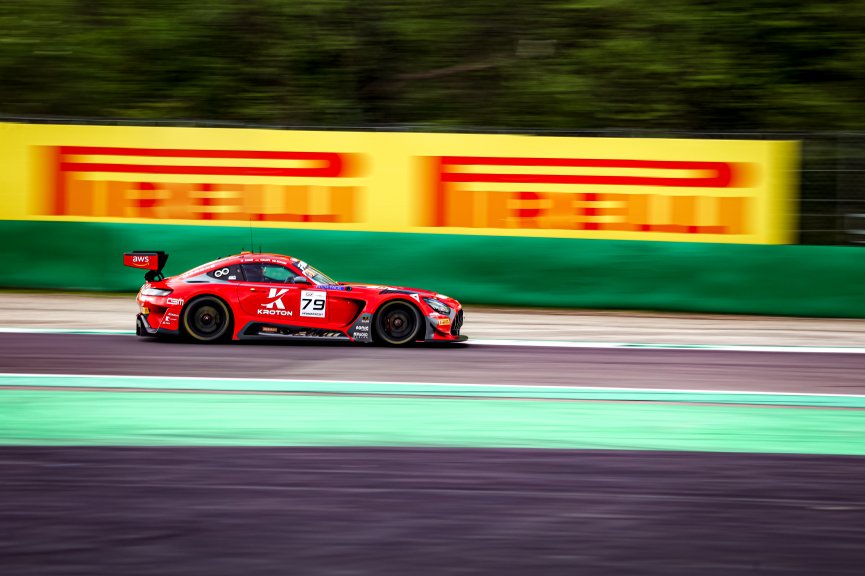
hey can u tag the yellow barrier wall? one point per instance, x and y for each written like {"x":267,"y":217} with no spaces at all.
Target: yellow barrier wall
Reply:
{"x":631,"y":189}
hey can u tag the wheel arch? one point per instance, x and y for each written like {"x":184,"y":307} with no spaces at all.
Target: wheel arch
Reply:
{"x":181,"y":325}
{"x":401,"y":299}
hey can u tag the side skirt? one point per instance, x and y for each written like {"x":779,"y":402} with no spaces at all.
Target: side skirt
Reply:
{"x":260,"y":330}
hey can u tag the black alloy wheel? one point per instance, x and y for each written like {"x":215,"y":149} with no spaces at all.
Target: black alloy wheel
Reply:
{"x":207,"y":319}
{"x":397,"y":323}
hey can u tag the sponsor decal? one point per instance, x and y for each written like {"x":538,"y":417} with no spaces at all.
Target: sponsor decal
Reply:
{"x":142,"y":261}
{"x":274,"y":297}
{"x":168,"y":184}
{"x":267,"y":312}
{"x":691,"y":197}
{"x":416,"y":297}
{"x":444,"y":321}
{"x":361,"y":330}
{"x":174,"y":301}
{"x":221,"y":273}
{"x":274,"y":305}
{"x":313,"y":303}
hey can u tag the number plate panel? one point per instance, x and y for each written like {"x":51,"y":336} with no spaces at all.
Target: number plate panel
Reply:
{"x":313,"y":303}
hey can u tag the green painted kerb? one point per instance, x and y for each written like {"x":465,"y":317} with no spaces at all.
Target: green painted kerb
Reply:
{"x":133,"y":418}
{"x":549,"y":272}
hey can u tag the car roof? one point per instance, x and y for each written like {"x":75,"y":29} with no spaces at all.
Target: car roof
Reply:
{"x":267,"y":257}
{"x":263,"y":256}
{"x":243,"y":257}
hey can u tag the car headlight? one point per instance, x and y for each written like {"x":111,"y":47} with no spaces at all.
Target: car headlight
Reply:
{"x":155,"y":292}
{"x":438,"y":306}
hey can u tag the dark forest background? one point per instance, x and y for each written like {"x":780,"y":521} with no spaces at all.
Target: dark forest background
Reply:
{"x":548,"y":64}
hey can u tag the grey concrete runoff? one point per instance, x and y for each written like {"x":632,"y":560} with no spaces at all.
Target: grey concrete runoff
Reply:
{"x":117,"y":312}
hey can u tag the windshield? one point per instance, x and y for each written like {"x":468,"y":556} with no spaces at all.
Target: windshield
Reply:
{"x":320,"y":278}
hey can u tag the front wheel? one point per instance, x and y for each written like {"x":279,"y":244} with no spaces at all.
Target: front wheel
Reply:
{"x":397,"y":323}
{"x":207,"y":319}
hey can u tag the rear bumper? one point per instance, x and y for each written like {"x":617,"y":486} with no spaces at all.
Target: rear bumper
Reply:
{"x":142,"y":328}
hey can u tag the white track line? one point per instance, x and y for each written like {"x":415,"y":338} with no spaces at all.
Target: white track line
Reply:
{"x":650,"y":346}
{"x":535,"y":343}
{"x":547,"y":387}
{"x":8,"y":330}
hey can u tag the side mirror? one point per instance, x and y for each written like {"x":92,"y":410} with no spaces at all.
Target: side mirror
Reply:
{"x":301,"y":280}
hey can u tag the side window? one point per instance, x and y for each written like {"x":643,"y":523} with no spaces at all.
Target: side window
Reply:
{"x":227,"y":273}
{"x":270,"y":273}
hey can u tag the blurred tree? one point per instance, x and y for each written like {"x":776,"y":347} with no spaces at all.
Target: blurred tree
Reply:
{"x":551,"y":64}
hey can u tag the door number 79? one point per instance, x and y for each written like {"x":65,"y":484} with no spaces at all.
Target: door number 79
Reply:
{"x":313,"y":303}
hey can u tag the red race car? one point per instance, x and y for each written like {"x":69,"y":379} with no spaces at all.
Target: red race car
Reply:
{"x":253,"y":295}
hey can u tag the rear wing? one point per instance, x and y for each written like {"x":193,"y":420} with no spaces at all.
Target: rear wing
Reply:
{"x":151,"y":260}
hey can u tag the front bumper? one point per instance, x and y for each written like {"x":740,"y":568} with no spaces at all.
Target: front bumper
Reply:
{"x":440,"y":328}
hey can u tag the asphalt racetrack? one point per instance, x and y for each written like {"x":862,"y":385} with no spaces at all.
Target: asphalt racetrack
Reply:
{"x":397,"y":511}
{"x":641,"y":368}
{"x":245,"y":478}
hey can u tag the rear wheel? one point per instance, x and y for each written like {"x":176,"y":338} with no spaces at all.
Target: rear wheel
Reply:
{"x":207,"y":319}
{"x":397,"y":323}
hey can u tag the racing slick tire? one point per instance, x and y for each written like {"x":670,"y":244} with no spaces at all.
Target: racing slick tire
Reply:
{"x":207,"y":319}
{"x":396,"y":323}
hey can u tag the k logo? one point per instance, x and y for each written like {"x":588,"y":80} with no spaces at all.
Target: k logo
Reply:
{"x":274,"y":298}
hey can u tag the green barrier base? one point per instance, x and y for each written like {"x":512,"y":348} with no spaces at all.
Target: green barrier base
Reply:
{"x":496,"y":270}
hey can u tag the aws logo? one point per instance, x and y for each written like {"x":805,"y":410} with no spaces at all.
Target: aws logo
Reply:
{"x":143,"y":261}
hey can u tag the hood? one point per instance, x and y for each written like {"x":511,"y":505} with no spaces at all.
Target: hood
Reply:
{"x":419,"y":291}
{"x":380,"y":287}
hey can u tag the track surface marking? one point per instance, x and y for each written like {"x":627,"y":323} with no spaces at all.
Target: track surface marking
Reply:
{"x":395,"y":511}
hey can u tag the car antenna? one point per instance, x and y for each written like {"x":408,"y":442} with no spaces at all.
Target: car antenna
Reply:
{"x":251,"y":244}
